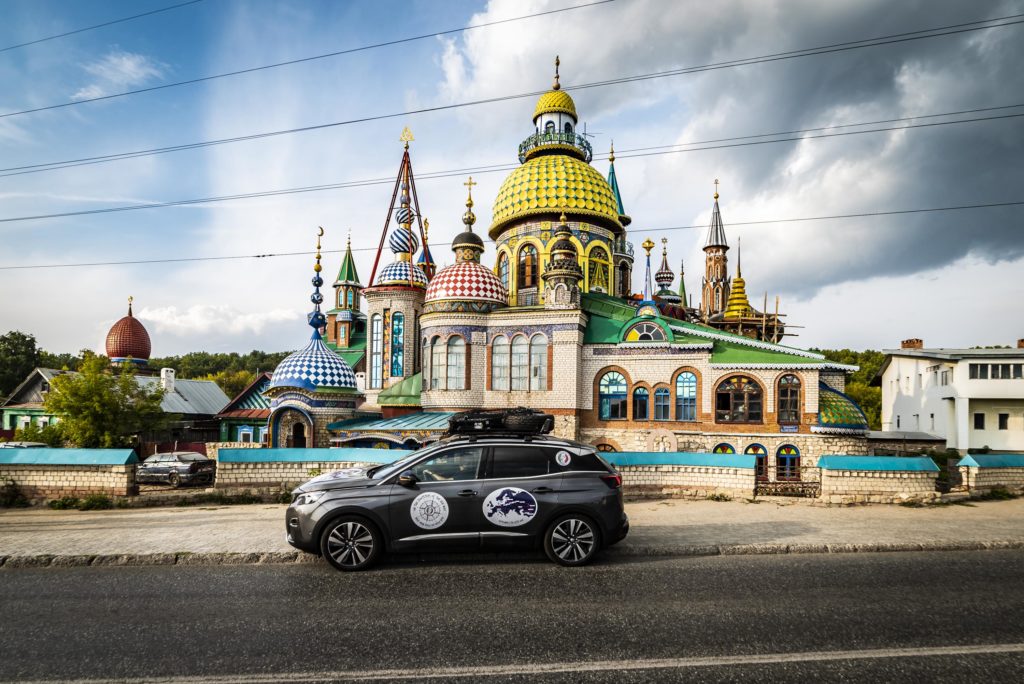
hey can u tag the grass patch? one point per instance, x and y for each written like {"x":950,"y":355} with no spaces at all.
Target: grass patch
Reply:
{"x":996,"y":494}
{"x":96,"y":502}
{"x":65,"y":503}
{"x":11,"y":496}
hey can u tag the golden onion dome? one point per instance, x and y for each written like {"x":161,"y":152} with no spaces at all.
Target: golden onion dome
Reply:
{"x":555,"y":101}
{"x":554,"y":184}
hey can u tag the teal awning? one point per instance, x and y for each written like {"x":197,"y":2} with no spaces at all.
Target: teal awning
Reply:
{"x":69,"y":456}
{"x":421,"y":420}
{"x":682,"y":458}
{"x":309,"y":455}
{"x":879,"y":463}
{"x":993,"y":461}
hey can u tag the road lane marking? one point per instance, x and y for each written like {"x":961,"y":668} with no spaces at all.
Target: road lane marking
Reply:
{"x":557,"y":668}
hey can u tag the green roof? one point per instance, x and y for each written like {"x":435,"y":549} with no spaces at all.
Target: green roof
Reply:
{"x":405,"y":393}
{"x":419,"y":421}
{"x":347,"y":273}
{"x":836,"y":410}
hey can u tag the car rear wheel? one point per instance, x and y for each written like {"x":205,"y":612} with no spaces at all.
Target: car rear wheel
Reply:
{"x":351,"y":543}
{"x":174,"y":480}
{"x":572,"y":540}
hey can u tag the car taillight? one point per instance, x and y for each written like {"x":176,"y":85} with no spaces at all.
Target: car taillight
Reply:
{"x":613,"y":480}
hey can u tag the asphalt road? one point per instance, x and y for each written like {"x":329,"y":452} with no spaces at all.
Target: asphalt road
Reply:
{"x":894,"y":617}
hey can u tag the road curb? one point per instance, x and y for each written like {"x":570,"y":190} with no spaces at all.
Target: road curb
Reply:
{"x":12,"y":562}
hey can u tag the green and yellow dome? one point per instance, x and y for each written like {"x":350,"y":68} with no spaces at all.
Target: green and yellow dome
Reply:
{"x":553,"y":102}
{"x":553,"y":184}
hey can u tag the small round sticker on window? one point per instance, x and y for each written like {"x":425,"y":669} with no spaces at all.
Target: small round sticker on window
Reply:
{"x":563,"y":458}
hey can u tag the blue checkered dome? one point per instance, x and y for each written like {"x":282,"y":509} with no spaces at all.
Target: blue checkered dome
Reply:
{"x":402,"y":273}
{"x":313,"y":367}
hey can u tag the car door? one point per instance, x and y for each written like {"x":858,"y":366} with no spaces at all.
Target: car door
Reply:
{"x":149,"y":471}
{"x":438,"y":510}
{"x":519,"y":495}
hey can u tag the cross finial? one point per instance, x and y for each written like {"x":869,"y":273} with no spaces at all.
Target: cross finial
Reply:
{"x":469,"y":184}
{"x":716,"y":188}
{"x":557,"y":85}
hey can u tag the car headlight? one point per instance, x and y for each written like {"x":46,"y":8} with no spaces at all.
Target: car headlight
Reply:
{"x":306,"y":498}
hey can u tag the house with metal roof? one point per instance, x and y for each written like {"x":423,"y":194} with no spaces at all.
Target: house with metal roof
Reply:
{"x":244,"y":418}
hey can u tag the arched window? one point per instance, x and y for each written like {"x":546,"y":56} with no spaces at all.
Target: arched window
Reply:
{"x":724,"y":448}
{"x":789,"y":399}
{"x":787,"y":464}
{"x":661,"y":404}
{"x":376,"y":352}
{"x":503,"y":269}
{"x":606,"y":448}
{"x":499,"y":364}
{"x":598,"y":270}
{"x":351,"y":298}
{"x":686,"y":396}
{"x":341,"y":297}
{"x":645,"y":332}
{"x":640,"y":399}
{"x":761,"y":464}
{"x":397,"y":345}
{"x":623,"y":284}
{"x":520,"y":363}
{"x":456,"y":363}
{"x":437,"y":364}
{"x":527,"y":270}
{"x":612,"y":396}
{"x":568,"y":127}
{"x":738,"y":400}
{"x":538,"y":362}
{"x":549,"y":127}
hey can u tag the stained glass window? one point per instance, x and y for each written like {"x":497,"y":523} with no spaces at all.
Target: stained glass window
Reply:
{"x":789,"y":399}
{"x":738,"y":400}
{"x":686,"y":396}
{"x":761,"y":464}
{"x":787,"y":463}
{"x":724,"y":449}
{"x":661,"y":403}
{"x":503,"y":269}
{"x":598,"y":270}
{"x":645,"y":332}
{"x":612,"y":396}
{"x":376,"y":352}
{"x":397,"y":344}
{"x":527,"y":274}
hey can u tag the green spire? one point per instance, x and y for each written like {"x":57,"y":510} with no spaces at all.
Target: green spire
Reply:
{"x":682,"y":285}
{"x":614,"y":183}
{"x":347,"y":274}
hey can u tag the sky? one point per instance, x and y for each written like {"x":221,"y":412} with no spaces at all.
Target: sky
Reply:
{"x":952,"y":278}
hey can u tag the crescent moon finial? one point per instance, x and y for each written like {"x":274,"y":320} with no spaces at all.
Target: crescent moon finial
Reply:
{"x":321,"y":231}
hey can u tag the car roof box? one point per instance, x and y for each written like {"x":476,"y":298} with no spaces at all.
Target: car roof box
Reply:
{"x":519,"y":421}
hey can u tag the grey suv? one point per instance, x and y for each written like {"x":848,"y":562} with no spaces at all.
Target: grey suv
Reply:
{"x":467,"y":492}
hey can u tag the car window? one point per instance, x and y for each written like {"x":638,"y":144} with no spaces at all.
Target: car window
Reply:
{"x":587,"y":461}
{"x":519,"y":461}
{"x":188,"y":458}
{"x":453,"y":464}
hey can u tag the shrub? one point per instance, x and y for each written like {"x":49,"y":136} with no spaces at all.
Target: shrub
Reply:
{"x":314,"y":472}
{"x":11,"y":496}
{"x":997,"y":494}
{"x":65,"y":503}
{"x":719,"y":497}
{"x":96,"y":502}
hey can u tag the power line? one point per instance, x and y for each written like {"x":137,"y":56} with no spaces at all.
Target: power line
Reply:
{"x":478,"y":170}
{"x":107,"y":23}
{"x":865,"y":214}
{"x":837,"y":47}
{"x":312,"y":58}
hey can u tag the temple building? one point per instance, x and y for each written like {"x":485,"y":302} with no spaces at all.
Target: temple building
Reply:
{"x":550,"y":321}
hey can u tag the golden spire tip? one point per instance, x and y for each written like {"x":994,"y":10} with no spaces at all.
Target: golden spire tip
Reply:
{"x":557,"y":85}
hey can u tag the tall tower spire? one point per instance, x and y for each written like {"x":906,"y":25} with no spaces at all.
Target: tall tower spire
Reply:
{"x":716,"y":284}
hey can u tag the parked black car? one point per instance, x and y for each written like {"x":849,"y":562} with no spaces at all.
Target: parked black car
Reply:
{"x":177,"y":468}
{"x":490,"y":490}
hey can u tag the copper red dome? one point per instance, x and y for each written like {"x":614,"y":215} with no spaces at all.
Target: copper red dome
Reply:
{"x":128,"y":338}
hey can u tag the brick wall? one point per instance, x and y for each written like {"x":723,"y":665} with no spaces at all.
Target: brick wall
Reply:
{"x":44,"y":482}
{"x":686,"y":481}
{"x":863,"y":486}
{"x":982,"y":480}
{"x":213,"y":448}
{"x":279,"y":474}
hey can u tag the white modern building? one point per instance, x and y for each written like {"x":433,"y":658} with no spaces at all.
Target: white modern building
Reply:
{"x":973,"y":398}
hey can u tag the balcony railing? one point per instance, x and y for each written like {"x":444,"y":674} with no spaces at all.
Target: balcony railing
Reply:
{"x":538,"y":140}
{"x":623,"y":248}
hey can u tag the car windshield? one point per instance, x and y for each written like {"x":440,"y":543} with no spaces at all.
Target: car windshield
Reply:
{"x":381,"y":472}
{"x":191,"y":457}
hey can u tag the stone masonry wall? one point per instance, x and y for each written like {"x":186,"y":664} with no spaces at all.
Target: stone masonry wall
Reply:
{"x":44,"y":482}
{"x":213,"y":448}
{"x":286,"y":475}
{"x":686,"y":481}
{"x":982,"y":480}
{"x":861,"y":486}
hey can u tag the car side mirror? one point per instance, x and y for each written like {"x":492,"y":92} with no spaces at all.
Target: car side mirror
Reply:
{"x":407,"y":479}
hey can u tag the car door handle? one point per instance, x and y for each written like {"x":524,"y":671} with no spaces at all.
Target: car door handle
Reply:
{"x":542,"y":490}
{"x":467,"y":492}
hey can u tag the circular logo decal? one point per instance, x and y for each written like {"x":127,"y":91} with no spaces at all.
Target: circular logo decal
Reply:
{"x":510,"y":507}
{"x":563,"y":458}
{"x":429,"y":510}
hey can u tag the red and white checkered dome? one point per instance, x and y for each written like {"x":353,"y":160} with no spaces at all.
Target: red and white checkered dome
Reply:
{"x":467,"y":280}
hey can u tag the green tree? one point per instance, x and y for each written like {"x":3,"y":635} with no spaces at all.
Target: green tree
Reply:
{"x":100,"y":409}
{"x":232,"y":382}
{"x":18,"y":356}
{"x":858,"y":386}
{"x":52,"y":435}
{"x":62,"y":361}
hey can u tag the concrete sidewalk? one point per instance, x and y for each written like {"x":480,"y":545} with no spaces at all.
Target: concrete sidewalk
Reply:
{"x":255,"y":534}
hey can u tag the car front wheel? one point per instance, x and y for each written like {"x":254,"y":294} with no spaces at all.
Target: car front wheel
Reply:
{"x":351,"y":543}
{"x":174,"y":480}
{"x":572,"y":540}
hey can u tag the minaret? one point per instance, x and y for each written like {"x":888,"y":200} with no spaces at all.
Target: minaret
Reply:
{"x":394,"y":301}
{"x":623,"y":258}
{"x":716,"y":285}
{"x":682,"y":286}
{"x":563,"y":275}
{"x":345,"y":320}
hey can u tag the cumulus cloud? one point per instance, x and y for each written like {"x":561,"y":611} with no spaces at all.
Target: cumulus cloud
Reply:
{"x":201,"y":319}
{"x":116,"y":71}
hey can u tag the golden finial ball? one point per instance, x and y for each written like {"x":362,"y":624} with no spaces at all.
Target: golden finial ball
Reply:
{"x":648,"y":245}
